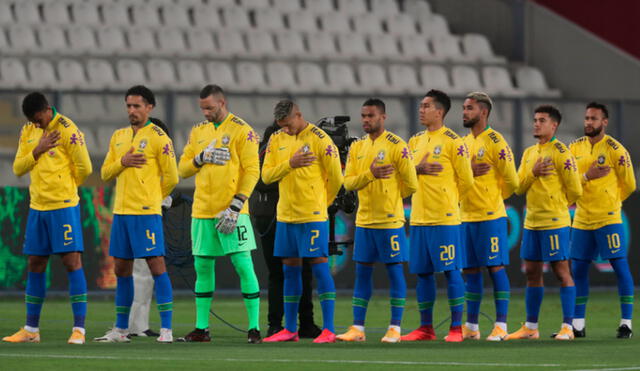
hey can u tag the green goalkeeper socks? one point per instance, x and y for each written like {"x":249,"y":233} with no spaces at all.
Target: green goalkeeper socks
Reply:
{"x":205,"y":284}
{"x":249,"y":285}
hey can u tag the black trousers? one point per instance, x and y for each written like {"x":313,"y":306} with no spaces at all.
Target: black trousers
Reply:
{"x":266,"y":228}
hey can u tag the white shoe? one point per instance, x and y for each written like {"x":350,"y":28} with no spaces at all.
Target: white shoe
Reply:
{"x":115,"y":335}
{"x":166,"y":336}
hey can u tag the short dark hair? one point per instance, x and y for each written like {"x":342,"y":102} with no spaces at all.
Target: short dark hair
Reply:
{"x":482,"y":99}
{"x":552,"y":111}
{"x":376,"y":102}
{"x":211,"y":89}
{"x":599,"y":106}
{"x":142,"y":91}
{"x":33,"y":103}
{"x":441,"y":100}
{"x":161,"y":125}
{"x":283,"y":109}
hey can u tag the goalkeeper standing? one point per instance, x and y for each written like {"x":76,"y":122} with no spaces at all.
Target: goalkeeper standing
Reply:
{"x":222,"y":152}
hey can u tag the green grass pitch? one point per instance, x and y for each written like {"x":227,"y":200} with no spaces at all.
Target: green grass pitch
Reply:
{"x":228,"y":349}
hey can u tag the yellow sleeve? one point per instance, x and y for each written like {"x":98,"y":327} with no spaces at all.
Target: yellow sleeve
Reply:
{"x":462,"y":166}
{"x":330,"y":160}
{"x":249,"y":162}
{"x":525,"y":178}
{"x":24,"y":161}
{"x":271,"y":171}
{"x":624,"y":171}
{"x":507,"y":168}
{"x":186,"y":167}
{"x":352,"y":180}
{"x":568,"y":169}
{"x":77,"y":149}
{"x":167,"y":164}
{"x":112,"y":167}
{"x":406,"y":170}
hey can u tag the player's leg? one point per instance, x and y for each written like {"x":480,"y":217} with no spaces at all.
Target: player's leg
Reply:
{"x":559,"y":242}
{"x":392,"y":248}
{"x":455,"y":294}
{"x":308,"y":328}
{"x":164,"y":296}
{"x":446,"y":252}
{"x":142,"y":294}
{"x":250,"y":291}
{"x":77,"y":295}
{"x":501,"y":296}
{"x":474,"y":282}
{"x":583,"y":250}
{"x":327,"y":295}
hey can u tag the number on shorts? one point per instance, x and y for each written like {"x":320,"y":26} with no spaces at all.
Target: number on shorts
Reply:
{"x":315,"y":233}
{"x":495,"y":247}
{"x":152,"y":237}
{"x":68,"y":230}
{"x":614,"y":241}
{"x":554,"y":241}
{"x":242,"y":233}
{"x":395,"y":245}
{"x":448,"y":252}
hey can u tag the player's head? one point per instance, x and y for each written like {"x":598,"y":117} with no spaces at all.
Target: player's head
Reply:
{"x":434,"y":107}
{"x":288,"y":116}
{"x":36,"y":109}
{"x":546,"y":119}
{"x":213,"y":104}
{"x":373,"y":114}
{"x":476,"y":108}
{"x":596,"y":119}
{"x":140,"y":102}
{"x":161,"y":124}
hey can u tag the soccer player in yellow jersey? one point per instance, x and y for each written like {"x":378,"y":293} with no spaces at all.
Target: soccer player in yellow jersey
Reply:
{"x":142,"y":160}
{"x":607,"y":180}
{"x":484,"y":218}
{"x":549,"y":176}
{"x":304,"y":161}
{"x":380,"y":168}
{"x":53,"y":151}
{"x":222,"y":153}
{"x":444,"y":176}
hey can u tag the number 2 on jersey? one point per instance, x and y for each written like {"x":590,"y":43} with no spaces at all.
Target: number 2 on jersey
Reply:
{"x":448,"y":252}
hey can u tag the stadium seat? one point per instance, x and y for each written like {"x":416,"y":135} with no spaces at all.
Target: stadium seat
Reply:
{"x":478,"y":49}
{"x":171,"y":42}
{"x":319,"y":7}
{"x":221,"y":73}
{"x":417,"y":8}
{"x":82,"y":40}
{"x":290,"y":44}
{"x":352,"y":7}
{"x":385,"y":46}
{"x":373,"y":77}
{"x":188,"y":2}
{"x":206,"y":17}
{"x":353,"y":46}
{"x":162,"y":75}
{"x":190,"y":75}
{"x":434,"y":77}
{"x":302,"y":21}
{"x":263,"y":116}
{"x":116,"y":112}
{"x":115,"y":14}
{"x":110,"y":41}
{"x":448,"y":48}
{"x":201,"y":43}
{"x":91,"y":107}
{"x":71,"y":75}
{"x":176,"y":16}
{"x":385,"y":7}
{"x":255,"y":4}
{"x":403,"y":78}
{"x":416,"y":47}
{"x":56,"y":12}
{"x":4,"y":43}
{"x":287,"y":5}
{"x":6,"y":15}
{"x":341,"y":78}
{"x":312,"y":80}
{"x":367,"y":24}
{"x":497,"y":81}
{"x":532,"y":81}
{"x":465,"y":79}
{"x":434,"y":26}
{"x":397,"y":120}
{"x":401,"y":25}
{"x":22,"y":39}
{"x":42,"y":74}
{"x":101,"y":75}
{"x":280,"y":78}
{"x":335,"y":23}
{"x":130,"y":72}
{"x":26,"y":13}
{"x":245,"y":107}
{"x":251,"y":77}
{"x":187,"y":111}
{"x":222,"y":3}
{"x":260,"y":44}
{"x":145,"y":15}
{"x":321,"y":46}
{"x":269,"y":19}
{"x":230,"y":44}
{"x":308,"y":109}
{"x":141,"y":42}
{"x":236,"y":18}
{"x":52,"y":40}
{"x":85,"y":13}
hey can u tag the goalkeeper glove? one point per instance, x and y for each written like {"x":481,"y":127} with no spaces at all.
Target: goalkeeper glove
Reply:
{"x":212,"y":155}
{"x":229,"y":219}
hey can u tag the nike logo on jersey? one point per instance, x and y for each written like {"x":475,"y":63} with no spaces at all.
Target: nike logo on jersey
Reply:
{"x":118,"y":144}
{"x":615,"y":251}
{"x":70,"y":242}
{"x":150,"y":248}
{"x":281,"y":148}
{"x":553,"y":253}
{"x":30,"y":140}
{"x":395,"y":254}
{"x":448,"y":263}
{"x":313,"y":249}
{"x":200,"y":141}
{"x":493,"y":257}
{"x":359,"y":157}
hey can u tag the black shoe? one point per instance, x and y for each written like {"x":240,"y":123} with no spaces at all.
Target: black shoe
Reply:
{"x":580,"y":333}
{"x":196,"y":336}
{"x":274,"y":329}
{"x":624,"y":332}
{"x":151,"y":333}
{"x":309,"y":332}
{"x":253,"y":336}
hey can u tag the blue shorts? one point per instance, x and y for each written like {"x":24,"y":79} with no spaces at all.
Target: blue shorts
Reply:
{"x":136,"y":236}
{"x":486,"y":243}
{"x":53,"y":232}
{"x":302,"y":240}
{"x":435,"y":248}
{"x":546,"y":245}
{"x":380,"y":245}
{"x":609,"y":242}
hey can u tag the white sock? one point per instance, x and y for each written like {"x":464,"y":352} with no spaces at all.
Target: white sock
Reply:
{"x":502,"y":325}
{"x":531,"y":325}
{"x":359,"y":328}
{"x":393,"y":327}
{"x":622,"y":322}
{"x":578,"y":324}
{"x":472,"y":326}
{"x":81,"y":329}
{"x":32,"y":329}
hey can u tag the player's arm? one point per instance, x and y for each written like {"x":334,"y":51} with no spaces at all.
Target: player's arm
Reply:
{"x":249,"y":162}
{"x":187,"y":167}
{"x":167,"y":163}
{"x":330,"y":161}
{"x":112,"y":166}
{"x":567,"y":168}
{"x":525,"y":176}
{"x":25,"y":160}
{"x":352,"y":180}
{"x":462,"y":166}
{"x":274,"y":170}
{"x":77,"y":149}
{"x":507,"y":168}
{"x":624,"y":172}
{"x":406,"y":170}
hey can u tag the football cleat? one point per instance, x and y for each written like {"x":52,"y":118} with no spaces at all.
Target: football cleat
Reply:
{"x":523,"y":333}
{"x":23,"y":336}
{"x":352,"y":335}
{"x":580,"y":333}
{"x":309,"y":331}
{"x":325,"y":337}
{"x":77,"y":337}
{"x":624,"y":332}
{"x":283,"y":335}
{"x":455,"y":335}
{"x":114,"y":335}
{"x":467,"y":333}
{"x":497,"y":334}
{"x":254,"y":337}
{"x":392,"y":336}
{"x":422,"y":333}
{"x":565,"y":333}
{"x":196,"y":336}
{"x":273,"y":330}
{"x":166,"y":336}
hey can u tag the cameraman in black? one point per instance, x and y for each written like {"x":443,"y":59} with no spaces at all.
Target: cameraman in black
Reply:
{"x":262,"y":206}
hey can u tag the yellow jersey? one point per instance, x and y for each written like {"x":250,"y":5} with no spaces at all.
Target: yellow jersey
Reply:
{"x":217,"y":184}
{"x":436,"y":202}
{"x":305,"y":192}
{"x":57,"y":173}
{"x":549,"y":197}
{"x":485,"y":201}
{"x":140,"y":191}
{"x":602,"y":198}
{"x":380,"y":200}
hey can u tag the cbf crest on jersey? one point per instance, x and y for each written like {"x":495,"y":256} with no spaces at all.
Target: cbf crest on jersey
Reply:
{"x":481,"y":152}
{"x":601,"y":160}
{"x":380,"y":156}
{"x":306,"y":148}
{"x":142,"y":145}
{"x":226,"y":139}
{"x":438,"y":150}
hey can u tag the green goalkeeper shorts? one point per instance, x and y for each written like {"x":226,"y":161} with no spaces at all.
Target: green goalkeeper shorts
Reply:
{"x":207,"y":241}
